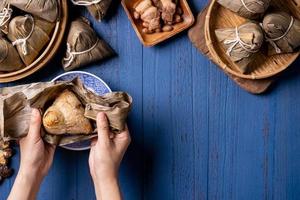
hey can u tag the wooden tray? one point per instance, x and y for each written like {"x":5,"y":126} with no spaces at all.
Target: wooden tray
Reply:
{"x":49,"y":51}
{"x":196,"y":35}
{"x":155,"y":38}
{"x":263,"y":66}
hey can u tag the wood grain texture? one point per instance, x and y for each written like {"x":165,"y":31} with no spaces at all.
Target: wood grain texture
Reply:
{"x":196,"y":134}
{"x":263,"y":66}
{"x":49,"y":52}
{"x":197,"y":37}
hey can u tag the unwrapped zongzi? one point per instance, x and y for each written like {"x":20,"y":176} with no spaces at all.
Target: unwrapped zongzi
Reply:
{"x":45,"y":9}
{"x":30,"y":35}
{"x":17,"y":103}
{"x":241,"y":43}
{"x":282,"y":32}
{"x":66,"y":116}
{"x":5,"y":16}
{"x":9,"y":57}
{"x":84,"y":46}
{"x":250,"y":9}
{"x":97,"y":8}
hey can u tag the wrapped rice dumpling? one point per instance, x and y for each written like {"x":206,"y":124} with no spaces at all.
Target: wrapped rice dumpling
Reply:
{"x":17,"y":103}
{"x":66,"y":115}
{"x":97,"y":8}
{"x":282,"y":32}
{"x":30,"y":35}
{"x":5,"y":16}
{"x":45,"y":9}
{"x":9,"y":57}
{"x":84,"y":46}
{"x":242,"y":43}
{"x":251,"y":9}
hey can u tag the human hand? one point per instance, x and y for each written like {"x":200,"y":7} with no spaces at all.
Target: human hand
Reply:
{"x":36,"y":156}
{"x":106,"y":154}
{"x":36,"y":160}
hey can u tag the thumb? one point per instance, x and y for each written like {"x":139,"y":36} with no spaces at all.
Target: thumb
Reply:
{"x":35,"y":124}
{"x":103,"y":128}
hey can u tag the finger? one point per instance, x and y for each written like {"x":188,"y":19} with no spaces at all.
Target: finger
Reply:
{"x":123,"y":139}
{"x":93,"y":142}
{"x":35,"y":124}
{"x":103,"y":127}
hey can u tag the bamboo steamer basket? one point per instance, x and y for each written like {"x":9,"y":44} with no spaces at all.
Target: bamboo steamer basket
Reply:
{"x":263,"y":66}
{"x":48,"y":53}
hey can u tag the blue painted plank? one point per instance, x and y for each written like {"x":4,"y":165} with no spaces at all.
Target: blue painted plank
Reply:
{"x":196,"y":135}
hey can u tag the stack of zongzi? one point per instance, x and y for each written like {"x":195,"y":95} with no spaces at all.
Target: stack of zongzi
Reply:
{"x":279,"y":29}
{"x":29,"y":32}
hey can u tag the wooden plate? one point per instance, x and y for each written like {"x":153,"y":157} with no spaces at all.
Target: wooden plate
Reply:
{"x":263,"y":66}
{"x":155,"y":38}
{"x":49,"y":51}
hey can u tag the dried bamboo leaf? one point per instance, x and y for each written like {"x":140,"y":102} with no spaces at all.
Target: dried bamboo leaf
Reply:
{"x":17,"y":102}
{"x":282,"y":32}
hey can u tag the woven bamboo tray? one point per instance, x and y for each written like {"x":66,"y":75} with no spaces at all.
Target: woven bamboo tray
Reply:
{"x":49,"y":51}
{"x":263,"y":66}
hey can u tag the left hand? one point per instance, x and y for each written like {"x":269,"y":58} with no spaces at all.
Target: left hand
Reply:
{"x":36,"y":160}
{"x":36,"y":155}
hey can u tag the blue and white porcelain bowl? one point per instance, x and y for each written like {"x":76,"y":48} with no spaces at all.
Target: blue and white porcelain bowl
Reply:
{"x":91,"y":82}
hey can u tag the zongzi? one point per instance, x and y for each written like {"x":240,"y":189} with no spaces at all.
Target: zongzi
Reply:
{"x":45,"y":9}
{"x":251,"y":9}
{"x":97,"y":8}
{"x":9,"y":57}
{"x":30,"y":35}
{"x":17,"y":103}
{"x":66,"y":116}
{"x":241,"y":43}
{"x":282,"y":32}
{"x":84,"y":46}
{"x":5,"y":15}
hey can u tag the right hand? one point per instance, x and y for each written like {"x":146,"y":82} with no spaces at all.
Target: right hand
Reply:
{"x":107,"y":152}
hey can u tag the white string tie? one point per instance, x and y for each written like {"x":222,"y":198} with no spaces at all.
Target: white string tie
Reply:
{"x":5,"y":15}
{"x":247,"y":47}
{"x":23,"y":41}
{"x":250,"y":10}
{"x":70,"y":55}
{"x":273,"y":41}
{"x":85,"y":3}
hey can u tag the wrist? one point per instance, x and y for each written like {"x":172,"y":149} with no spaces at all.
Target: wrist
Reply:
{"x":26,"y":186}
{"x":31,"y":177}
{"x":102,"y":178}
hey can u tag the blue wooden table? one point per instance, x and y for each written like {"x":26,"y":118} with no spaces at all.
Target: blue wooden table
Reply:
{"x":196,"y":135}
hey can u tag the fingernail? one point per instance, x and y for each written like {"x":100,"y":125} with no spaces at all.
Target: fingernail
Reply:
{"x":34,"y":112}
{"x":100,"y":116}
